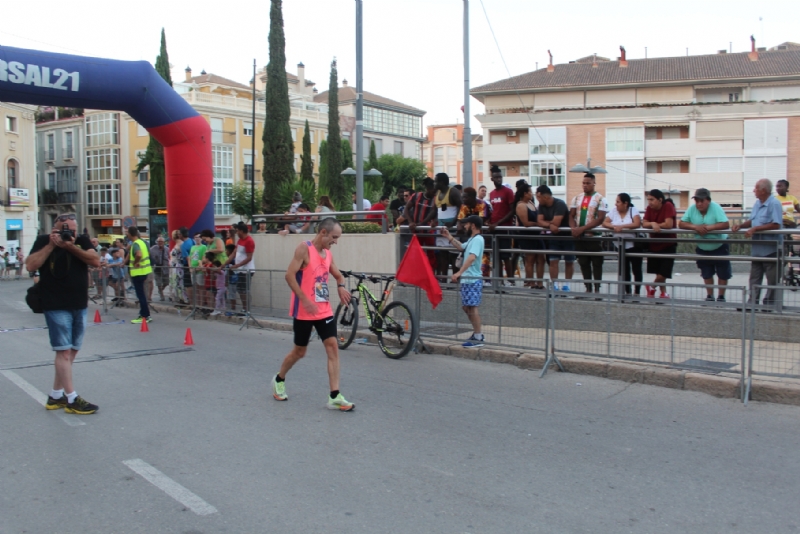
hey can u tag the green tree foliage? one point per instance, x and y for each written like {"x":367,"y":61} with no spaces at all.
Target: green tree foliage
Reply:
{"x":278,"y":146}
{"x":286,"y":193}
{"x":333,"y":180}
{"x":154,"y":156}
{"x":323,"y":165}
{"x":401,"y":171}
{"x":347,"y":154}
{"x":307,"y":166}
{"x":372,"y":163}
{"x":240,"y":198}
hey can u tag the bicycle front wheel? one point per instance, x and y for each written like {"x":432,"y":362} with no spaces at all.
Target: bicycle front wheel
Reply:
{"x":398,"y":331}
{"x":346,"y":321}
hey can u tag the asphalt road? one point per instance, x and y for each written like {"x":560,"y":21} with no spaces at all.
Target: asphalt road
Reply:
{"x":192,"y":442}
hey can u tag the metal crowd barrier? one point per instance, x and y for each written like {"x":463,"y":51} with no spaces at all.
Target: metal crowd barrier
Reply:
{"x":342,"y":216}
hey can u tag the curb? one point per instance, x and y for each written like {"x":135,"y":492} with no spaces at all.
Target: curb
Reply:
{"x":649,"y":374}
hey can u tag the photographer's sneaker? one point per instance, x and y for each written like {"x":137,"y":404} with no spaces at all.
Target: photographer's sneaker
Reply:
{"x":139,"y":320}
{"x":56,"y":404}
{"x":278,"y":389}
{"x":80,"y":407}
{"x":340,"y":403}
{"x":474,"y":341}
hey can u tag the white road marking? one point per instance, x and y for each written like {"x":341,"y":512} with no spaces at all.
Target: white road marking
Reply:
{"x":40,"y":397}
{"x":170,"y":487}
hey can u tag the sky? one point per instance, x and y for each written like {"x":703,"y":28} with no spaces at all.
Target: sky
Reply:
{"x":412,"y":48}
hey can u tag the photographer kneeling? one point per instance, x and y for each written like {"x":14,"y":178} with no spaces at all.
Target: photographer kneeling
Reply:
{"x":63,"y":259}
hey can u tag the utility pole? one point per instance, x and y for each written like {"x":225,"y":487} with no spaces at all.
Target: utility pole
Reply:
{"x":359,"y":112}
{"x":253,"y":155}
{"x":466,"y":166}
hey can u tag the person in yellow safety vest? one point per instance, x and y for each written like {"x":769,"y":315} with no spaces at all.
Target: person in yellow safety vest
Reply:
{"x":139,"y":263}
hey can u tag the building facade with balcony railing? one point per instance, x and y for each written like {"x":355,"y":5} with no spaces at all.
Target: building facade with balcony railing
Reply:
{"x":18,"y":202}
{"x":60,"y":166}
{"x":718,"y":121}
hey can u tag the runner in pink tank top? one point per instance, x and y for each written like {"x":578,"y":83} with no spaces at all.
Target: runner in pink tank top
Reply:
{"x":308,"y":275}
{"x":313,"y":282}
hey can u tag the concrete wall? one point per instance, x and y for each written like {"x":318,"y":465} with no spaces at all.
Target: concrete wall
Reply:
{"x":369,"y":253}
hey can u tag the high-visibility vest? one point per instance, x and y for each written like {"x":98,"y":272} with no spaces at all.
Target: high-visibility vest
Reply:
{"x":144,"y":264}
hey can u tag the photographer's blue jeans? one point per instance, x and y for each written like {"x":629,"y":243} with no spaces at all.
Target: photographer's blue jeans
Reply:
{"x":138,"y":285}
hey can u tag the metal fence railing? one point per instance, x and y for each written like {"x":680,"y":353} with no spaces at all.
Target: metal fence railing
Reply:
{"x":682,"y":332}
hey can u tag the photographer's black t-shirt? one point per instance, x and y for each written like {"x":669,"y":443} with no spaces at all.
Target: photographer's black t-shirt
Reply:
{"x":63,"y":278}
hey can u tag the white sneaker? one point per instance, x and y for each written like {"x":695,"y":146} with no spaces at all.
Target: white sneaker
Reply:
{"x":215,"y":312}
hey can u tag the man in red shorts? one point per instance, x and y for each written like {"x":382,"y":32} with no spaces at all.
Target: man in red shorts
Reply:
{"x":307,"y":276}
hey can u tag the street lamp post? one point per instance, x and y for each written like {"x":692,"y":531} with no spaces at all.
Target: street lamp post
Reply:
{"x":359,"y":110}
{"x":466,"y":142}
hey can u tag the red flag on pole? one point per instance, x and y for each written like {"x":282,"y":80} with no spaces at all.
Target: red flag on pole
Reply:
{"x":415,"y":269}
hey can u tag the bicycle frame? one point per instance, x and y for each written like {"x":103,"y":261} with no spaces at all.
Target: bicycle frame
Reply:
{"x":369,"y":299}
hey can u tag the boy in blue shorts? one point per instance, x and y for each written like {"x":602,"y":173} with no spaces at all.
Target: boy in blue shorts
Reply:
{"x":470,"y":274}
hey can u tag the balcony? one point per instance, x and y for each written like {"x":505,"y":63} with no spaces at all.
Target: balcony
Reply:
{"x":68,"y":154}
{"x":51,"y":197}
{"x":508,"y":152}
{"x":688,"y":148}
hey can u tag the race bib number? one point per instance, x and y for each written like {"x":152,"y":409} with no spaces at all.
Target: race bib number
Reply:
{"x":321,"y":292}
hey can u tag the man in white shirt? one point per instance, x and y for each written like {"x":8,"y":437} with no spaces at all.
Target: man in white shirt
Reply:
{"x":367,"y":204}
{"x":588,"y":210}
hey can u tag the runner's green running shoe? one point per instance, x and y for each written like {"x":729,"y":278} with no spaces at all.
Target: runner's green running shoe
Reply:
{"x":278,"y":389}
{"x":340,"y":403}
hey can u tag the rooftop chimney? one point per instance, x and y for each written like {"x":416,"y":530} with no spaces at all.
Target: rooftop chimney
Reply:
{"x":301,"y":77}
{"x":594,"y":61}
{"x":188,"y":74}
{"x":623,"y":62}
{"x":550,"y":67}
{"x":344,"y":82}
{"x":753,"y":55}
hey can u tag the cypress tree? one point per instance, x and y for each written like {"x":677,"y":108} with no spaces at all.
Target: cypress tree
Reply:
{"x":278,"y":148}
{"x":307,"y":166}
{"x":373,"y":156}
{"x":347,"y":154}
{"x":154,"y":156}
{"x":323,"y":167}
{"x":334,"y":182}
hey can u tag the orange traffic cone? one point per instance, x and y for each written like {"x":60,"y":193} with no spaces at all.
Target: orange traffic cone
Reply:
{"x":188,"y":339}
{"x":144,"y":326}
{"x":97,"y":318}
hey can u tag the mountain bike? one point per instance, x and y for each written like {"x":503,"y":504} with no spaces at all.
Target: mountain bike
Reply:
{"x":393,"y":323}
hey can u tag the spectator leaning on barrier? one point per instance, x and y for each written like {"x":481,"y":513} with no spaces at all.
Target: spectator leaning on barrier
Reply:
{"x":398,"y":205}
{"x":159,"y":259}
{"x":186,"y":252}
{"x":623,"y":217}
{"x":501,"y":199}
{"x":448,"y":202}
{"x":421,"y":211}
{"x":767,"y":215}
{"x":469,"y":274}
{"x":367,"y":205}
{"x":243,"y":263}
{"x":196,"y":255}
{"x":789,"y":203}
{"x":552,"y":213}
{"x":380,"y":209}
{"x":64,"y":292}
{"x":527,"y":217}
{"x":588,"y":210}
{"x":703,"y":217}
{"x":660,"y":215}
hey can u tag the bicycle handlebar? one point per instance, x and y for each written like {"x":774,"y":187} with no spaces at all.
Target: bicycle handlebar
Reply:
{"x":361,"y":277}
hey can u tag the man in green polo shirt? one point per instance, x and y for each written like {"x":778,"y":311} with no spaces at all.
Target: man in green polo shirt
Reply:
{"x":703,"y":217}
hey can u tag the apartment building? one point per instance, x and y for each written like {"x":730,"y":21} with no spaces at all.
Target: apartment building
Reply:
{"x":443,"y":151}
{"x":394,"y":127}
{"x":718,"y":121}
{"x":59,"y":163}
{"x":18,"y":203}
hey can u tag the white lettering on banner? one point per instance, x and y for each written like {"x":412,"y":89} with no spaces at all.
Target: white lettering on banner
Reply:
{"x":16,"y":72}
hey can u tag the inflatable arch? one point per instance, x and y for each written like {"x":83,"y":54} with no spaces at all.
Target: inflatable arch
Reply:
{"x":45,"y":78}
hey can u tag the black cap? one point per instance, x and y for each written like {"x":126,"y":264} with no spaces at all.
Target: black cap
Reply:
{"x":474,"y":219}
{"x":702,"y":194}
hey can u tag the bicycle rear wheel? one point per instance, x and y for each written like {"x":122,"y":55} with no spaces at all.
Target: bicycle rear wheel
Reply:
{"x":398,"y":330}
{"x":346,"y":320}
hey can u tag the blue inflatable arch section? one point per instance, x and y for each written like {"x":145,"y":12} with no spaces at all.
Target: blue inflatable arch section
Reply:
{"x":49,"y":79}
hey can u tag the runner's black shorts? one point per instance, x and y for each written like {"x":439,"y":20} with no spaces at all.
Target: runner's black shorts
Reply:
{"x":302,"y":330}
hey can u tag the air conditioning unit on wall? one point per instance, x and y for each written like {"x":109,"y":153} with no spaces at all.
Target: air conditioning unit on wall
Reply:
{"x":511,"y":133}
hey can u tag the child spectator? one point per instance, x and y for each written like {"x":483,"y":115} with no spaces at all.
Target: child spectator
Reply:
{"x":219,"y":287}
